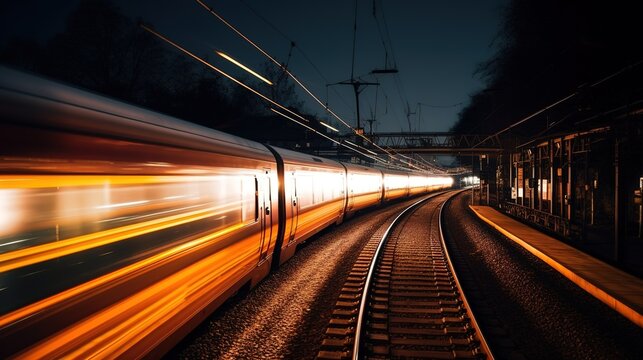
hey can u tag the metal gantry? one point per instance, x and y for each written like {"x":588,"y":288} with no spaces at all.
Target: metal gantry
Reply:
{"x":438,"y":142}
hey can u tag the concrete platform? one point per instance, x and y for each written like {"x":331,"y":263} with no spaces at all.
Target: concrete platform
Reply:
{"x":619,"y":290}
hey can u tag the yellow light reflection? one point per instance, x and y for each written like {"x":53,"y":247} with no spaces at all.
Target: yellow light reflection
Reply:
{"x":93,"y":325}
{"x":230,"y":59}
{"x":330,"y":127}
{"x":55,"y":181}
{"x":28,"y":256}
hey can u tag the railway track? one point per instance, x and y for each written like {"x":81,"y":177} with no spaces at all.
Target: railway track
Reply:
{"x":402,"y":298}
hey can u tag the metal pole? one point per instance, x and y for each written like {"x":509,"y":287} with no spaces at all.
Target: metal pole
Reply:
{"x":570,"y":149}
{"x":488,"y":177}
{"x":641,"y":207}
{"x":472,"y":172}
{"x":616,"y":201}
{"x":356,"y":89}
{"x":592,"y":210}
{"x":552,"y":168}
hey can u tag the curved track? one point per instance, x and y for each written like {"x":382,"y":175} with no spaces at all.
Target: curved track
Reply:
{"x":402,"y":298}
{"x":526,"y":308}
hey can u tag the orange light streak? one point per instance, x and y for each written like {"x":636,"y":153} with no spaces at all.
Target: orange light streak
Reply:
{"x":91,"y":335}
{"x":54,"y":181}
{"x":155,"y":260}
{"x":32,"y":255}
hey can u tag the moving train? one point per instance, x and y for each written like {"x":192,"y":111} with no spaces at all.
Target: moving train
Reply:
{"x":121,"y":228}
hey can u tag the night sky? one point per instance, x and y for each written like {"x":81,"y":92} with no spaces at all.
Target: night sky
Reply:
{"x":436,"y":46}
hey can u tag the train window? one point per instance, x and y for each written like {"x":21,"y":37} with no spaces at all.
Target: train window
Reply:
{"x":319,"y":186}
{"x":330,"y":187}
{"x":256,"y":199}
{"x":249,"y":199}
{"x":147,"y":213}
{"x":365,"y":183}
{"x":91,"y":205}
{"x":305,"y":190}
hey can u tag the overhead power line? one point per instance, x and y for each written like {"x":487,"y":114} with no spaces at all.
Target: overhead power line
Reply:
{"x":292,"y":76}
{"x":619,"y":72}
{"x":296,"y":46}
{"x":239,"y":33}
{"x":283,"y":108}
{"x":233,"y":79}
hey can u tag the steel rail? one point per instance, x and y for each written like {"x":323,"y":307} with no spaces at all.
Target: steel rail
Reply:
{"x":472,"y":318}
{"x":371,"y":270}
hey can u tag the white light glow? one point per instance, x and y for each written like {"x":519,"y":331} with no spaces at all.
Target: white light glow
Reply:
{"x":9,"y":210}
{"x":174,"y":197}
{"x":17,"y":241}
{"x":111,"y":206}
{"x":328,"y":126}
{"x":230,"y":59}
{"x":470,"y":180}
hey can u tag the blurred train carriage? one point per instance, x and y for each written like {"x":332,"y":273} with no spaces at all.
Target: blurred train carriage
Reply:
{"x":121,"y":228}
{"x":396,"y":185}
{"x":314,"y":196}
{"x":364,"y":186}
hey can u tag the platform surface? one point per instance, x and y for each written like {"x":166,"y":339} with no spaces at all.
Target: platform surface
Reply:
{"x":619,"y":290}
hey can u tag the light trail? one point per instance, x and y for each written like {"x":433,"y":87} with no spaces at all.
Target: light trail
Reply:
{"x":230,"y":77}
{"x":292,"y":76}
{"x":17,"y":241}
{"x":232,"y":60}
{"x":32,"y":255}
{"x":197,"y":58}
{"x":330,"y":127}
{"x":329,"y":138}
{"x":112,"y":206}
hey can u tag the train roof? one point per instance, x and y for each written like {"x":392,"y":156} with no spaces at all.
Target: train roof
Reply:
{"x":33,"y":100}
{"x":293,"y":157}
{"x":395,"y":172}
{"x":361,"y":168}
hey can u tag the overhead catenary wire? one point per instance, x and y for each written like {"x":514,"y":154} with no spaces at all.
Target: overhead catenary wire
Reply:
{"x":297,"y":47}
{"x":388,"y":37}
{"x":386,"y":40}
{"x":385,"y":37}
{"x":387,"y":43}
{"x":328,"y":137}
{"x":272,"y":59}
{"x":233,"y":79}
{"x":521,"y":121}
{"x":292,"y":76}
{"x":354,"y":42}
{"x":285,"y":70}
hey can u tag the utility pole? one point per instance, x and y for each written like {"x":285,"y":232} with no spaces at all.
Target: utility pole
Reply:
{"x":357,"y":89}
{"x":359,"y":86}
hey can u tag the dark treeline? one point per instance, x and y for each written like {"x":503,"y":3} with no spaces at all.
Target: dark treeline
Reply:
{"x":103,"y":50}
{"x":548,"y":49}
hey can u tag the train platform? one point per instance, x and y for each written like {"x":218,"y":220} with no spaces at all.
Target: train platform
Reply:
{"x":619,"y":290}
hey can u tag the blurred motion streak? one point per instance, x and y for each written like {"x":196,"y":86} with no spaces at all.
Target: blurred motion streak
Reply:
{"x":122,"y":229}
{"x":232,"y":60}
